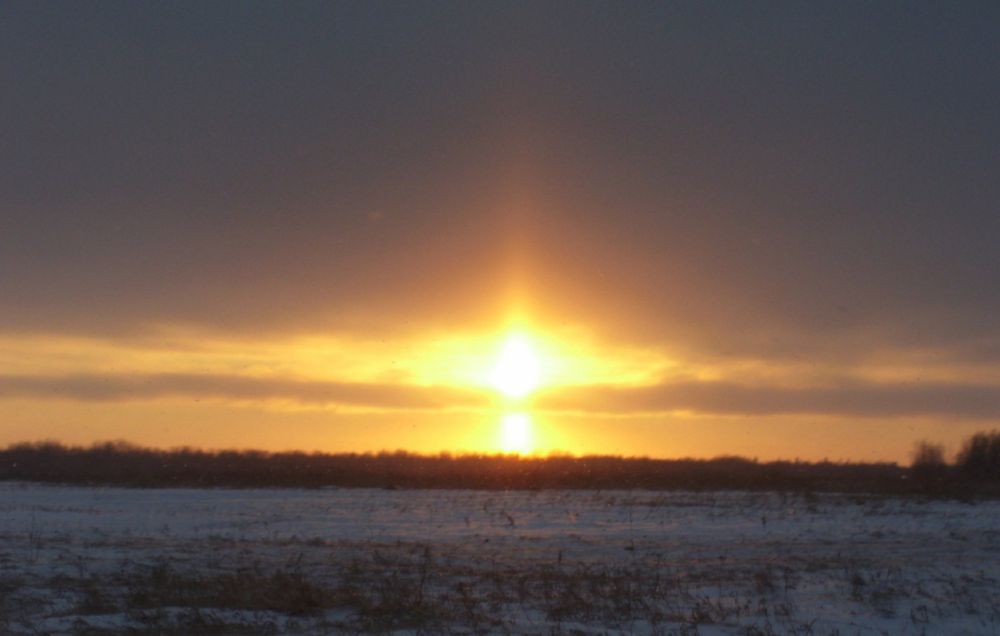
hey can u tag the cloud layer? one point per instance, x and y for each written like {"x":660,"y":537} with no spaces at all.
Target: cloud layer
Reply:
{"x":855,"y":399}
{"x":114,"y":388}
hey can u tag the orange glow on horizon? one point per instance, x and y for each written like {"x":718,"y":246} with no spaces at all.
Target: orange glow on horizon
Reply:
{"x":483,"y":390}
{"x":516,"y":434}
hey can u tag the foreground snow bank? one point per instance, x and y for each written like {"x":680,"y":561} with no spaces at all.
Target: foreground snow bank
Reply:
{"x":109,"y":560}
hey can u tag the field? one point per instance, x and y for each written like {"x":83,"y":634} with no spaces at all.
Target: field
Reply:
{"x":79,"y":560}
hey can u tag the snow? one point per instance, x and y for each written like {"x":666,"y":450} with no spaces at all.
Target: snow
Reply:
{"x":74,"y":559}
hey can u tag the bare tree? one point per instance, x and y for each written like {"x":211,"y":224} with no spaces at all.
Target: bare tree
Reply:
{"x":979,"y":458}
{"x":927,"y":455}
{"x":928,"y":465}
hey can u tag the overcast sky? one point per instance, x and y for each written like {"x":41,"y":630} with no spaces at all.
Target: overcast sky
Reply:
{"x":760,"y":185}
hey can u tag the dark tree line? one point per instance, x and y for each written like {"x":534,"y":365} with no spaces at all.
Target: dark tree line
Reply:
{"x":123,"y":464}
{"x":976,"y":470}
{"x":976,"y":467}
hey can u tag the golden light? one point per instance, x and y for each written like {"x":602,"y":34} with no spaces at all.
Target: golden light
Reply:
{"x":516,"y":434}
{"x":517,"y":371}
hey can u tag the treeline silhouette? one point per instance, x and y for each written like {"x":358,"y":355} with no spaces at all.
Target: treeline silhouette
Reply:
{"x":976,"y":467}
{"x":123,"y":464}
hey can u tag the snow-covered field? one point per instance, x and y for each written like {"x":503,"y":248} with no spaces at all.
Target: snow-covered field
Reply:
{"x":108,"y":560}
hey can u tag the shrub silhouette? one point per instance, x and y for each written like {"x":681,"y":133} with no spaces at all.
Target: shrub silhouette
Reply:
{"x":927,"y":455}
{"x":928,"y":466}
{"x":979,"y":458}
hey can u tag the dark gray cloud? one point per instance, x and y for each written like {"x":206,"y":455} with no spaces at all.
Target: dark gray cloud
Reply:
{"x":778,"y":179}
{"x":113,"y":388}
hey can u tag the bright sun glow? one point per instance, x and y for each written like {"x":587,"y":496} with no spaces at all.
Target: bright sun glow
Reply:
{"x":517,"y":370}
{"x":515,"y":433}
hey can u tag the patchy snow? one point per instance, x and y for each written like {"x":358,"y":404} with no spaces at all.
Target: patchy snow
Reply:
{"x":109,"y":560}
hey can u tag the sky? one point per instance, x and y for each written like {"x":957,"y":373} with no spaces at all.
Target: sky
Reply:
{"x":678,"y":228}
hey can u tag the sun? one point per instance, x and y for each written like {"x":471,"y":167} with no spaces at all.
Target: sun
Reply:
{"x":516,"y":434}
{"x":517,"y":372}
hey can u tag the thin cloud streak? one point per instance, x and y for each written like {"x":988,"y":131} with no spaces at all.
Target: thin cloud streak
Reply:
{"x":133,"y":387}
{"x":854,"y":399}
